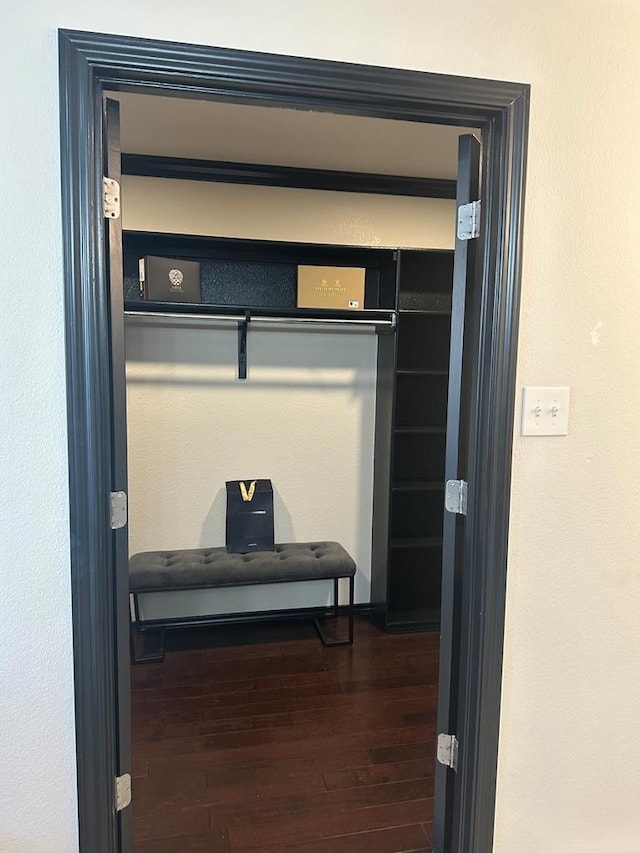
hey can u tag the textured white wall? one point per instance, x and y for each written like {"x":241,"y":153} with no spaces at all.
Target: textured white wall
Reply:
{"x":569,"y":769}
{"x":304,"y":417}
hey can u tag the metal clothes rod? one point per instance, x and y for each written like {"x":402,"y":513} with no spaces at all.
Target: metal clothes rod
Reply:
{"x":240,"y":318}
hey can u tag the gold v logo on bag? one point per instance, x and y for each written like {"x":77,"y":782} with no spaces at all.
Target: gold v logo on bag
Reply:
{"x":247,"y":495}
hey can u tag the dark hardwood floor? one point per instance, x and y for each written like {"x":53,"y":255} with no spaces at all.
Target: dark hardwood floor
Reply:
{"x":257,"y":738}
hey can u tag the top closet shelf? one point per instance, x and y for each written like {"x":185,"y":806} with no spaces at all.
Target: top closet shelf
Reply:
{"x":238,"y":275}
{"x":383,"y":320}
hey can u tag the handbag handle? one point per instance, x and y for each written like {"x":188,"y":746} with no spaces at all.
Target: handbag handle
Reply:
{"x":247,"y":494}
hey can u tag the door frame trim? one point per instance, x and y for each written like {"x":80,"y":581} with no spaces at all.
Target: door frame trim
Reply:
{"x":91,"y":64}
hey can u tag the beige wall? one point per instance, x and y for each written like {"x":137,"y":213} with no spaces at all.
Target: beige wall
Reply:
{"x":279,"y":213}
{"x":304,"y":417}
{"x":569,"y":765}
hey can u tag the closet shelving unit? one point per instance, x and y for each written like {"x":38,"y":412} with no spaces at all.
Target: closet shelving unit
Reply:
{"x":410,"y":446}
{"x":407,"y":301}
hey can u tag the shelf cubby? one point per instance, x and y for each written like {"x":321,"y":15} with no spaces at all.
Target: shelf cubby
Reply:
{"x":421,"y":401}
{"x":423,"y":341}
{"x":429,"y":272}
{"x":417,"y":460}
{"x":417,"y":514}
{"x":415,"y":578}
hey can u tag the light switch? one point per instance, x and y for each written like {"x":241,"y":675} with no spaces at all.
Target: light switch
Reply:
{"x":545,"y":411}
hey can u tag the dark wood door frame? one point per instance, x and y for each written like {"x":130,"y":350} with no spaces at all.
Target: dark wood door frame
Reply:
{"x":91,"y":64}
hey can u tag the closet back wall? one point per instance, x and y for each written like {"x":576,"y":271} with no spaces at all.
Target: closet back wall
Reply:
{"x":305,"y":416}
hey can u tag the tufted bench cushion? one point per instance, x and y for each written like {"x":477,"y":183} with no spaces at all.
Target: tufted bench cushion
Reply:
{"x":201,"y":568}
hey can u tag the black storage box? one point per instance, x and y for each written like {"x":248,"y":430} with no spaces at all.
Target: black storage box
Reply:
{"x":169,"y":279}
{"x":249,"y":516}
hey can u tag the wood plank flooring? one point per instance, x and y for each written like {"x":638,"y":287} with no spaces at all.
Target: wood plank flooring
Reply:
{"x":258,"y":738}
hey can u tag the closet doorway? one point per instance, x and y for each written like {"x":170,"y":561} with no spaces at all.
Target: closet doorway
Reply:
{"x":345,"y":410}
{"x":459,"y":824}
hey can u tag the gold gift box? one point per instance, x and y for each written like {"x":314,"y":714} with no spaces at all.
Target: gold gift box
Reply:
{"x":331,"y":287}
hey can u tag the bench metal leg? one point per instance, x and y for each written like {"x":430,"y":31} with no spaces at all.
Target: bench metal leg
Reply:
{"x":331,"y":642}
{"x":352,"y":583}
{"x":157,"y":654}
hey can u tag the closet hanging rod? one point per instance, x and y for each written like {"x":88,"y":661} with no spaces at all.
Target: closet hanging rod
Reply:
{"x":241,"y":318}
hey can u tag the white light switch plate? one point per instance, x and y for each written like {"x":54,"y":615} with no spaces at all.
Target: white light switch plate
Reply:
{"x":545,"y":411}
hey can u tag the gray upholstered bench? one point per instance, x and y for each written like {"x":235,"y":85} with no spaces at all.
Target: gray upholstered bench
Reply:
{"x":211,"y":568}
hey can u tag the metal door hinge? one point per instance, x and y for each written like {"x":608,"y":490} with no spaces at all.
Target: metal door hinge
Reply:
{"x":469,"y":220}
{"x":448,"y":751}
{"x":110,"y":198}
{"x":123,"y":791}
{"x":455,"y":497}
{"x":118,"y":510}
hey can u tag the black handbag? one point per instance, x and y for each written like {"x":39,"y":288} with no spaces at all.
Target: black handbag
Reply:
{"x":249,"y":516}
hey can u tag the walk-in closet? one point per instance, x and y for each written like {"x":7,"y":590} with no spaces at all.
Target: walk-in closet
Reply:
{"x":251,"y":730}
